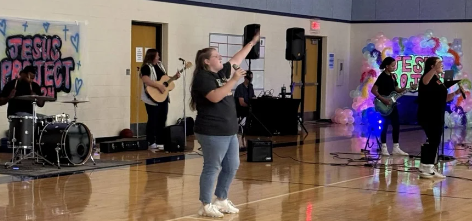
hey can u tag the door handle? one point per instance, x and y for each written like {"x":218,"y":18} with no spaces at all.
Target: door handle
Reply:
{"x":311,"y":84}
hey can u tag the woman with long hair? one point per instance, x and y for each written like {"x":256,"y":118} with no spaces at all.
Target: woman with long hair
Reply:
{"x":216,"y":125}
{"x":432,"y":99}
{"x":387,"y":83}
{"x":151,"y":72}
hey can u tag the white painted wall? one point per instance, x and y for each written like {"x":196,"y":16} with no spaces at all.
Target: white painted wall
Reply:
{"x":108,"y":37}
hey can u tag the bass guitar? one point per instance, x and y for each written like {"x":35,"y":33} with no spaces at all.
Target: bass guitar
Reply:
{"x":156,"y":95}
{"x":386,"y":110}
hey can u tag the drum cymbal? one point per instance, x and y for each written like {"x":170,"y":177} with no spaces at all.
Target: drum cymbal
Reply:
{"x":74,"y":102}
{"x":35,"y":98}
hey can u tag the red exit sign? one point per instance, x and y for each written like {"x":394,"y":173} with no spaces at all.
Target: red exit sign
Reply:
{"x":315,"y":25}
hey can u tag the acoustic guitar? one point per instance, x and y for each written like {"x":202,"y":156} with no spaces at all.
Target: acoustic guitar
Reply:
{"x":157,"y":96}
{"x":386,"y":110}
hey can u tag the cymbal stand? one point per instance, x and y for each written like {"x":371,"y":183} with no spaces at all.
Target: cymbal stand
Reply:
{"x":75,"y":109}
{"x":32,"y":155}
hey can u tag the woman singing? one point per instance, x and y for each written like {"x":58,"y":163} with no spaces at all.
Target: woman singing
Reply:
{"x":151,"y":72}
{"x":216,"y":125}
{"x":432,"y":98}
{"x":387,"y":83}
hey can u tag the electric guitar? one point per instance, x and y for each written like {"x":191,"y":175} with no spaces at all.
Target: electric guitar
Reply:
{"x":156,"y":95}
{"x":386,"y":110}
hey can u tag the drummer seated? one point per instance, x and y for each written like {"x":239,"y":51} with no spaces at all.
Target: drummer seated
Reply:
{"x":23,"y":85}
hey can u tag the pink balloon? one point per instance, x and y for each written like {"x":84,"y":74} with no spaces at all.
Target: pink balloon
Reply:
{"x":350,"y":120}
{"x":349,"y":112}
{"x":343,"y":120}
{"x":338,"y":111}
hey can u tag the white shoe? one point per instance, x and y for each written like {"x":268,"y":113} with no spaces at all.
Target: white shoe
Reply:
{"x":428,"y":171}
{"x":152,"y":146}
{"x":384,"y":150}
{"x":160,"y":147}
{"x":210,"y":210}
{"x":397,"y":151}
{"x":225,"y":206}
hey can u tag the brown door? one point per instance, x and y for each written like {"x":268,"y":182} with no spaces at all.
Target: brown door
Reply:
{"x":311,"y":108}
{"x":142,"y":37}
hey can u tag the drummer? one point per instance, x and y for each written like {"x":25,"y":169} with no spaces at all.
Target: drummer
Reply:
{"x":23,"y":85}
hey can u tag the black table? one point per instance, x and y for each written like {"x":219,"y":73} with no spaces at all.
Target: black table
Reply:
{"x":278,"y":115}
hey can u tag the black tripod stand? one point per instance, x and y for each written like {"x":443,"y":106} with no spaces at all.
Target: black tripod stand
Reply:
{"x":250,"y":116}
{"x":442,"y":156}
{"x":367,"y":145}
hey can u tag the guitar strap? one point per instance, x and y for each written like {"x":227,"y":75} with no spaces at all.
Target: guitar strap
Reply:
{"x":153,"y":77}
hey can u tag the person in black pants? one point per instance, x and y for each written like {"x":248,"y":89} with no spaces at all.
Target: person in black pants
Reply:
{"x":151,"y":71}
{"x":387,"y":83}
{"x":432,"y":99}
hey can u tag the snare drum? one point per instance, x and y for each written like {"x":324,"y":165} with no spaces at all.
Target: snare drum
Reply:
{"x":20,"y":133}
{"x":58,"y":118}
{"x":74,"y":140}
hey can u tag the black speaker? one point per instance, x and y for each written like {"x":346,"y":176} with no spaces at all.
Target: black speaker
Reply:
{"x":259,"y":151}
{"x":295,"y":50}
{"x":249,"y":32}
{"x":174,"y":138}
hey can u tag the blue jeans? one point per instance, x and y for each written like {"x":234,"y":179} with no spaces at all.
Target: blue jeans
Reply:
{"x":219,"y":152}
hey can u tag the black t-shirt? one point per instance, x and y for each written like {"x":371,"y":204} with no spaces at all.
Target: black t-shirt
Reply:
{"x":386,"y":83}
{"x":216,"y":119}
{"x":22,"y":88}
{"x":431,"y":102}
{"x":145,"y":71}
{"x":245,"y":92}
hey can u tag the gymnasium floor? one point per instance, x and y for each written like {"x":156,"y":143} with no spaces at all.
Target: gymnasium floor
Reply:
{"x":282,"y":190}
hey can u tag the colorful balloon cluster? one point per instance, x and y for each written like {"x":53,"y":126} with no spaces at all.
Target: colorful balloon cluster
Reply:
{"x":343,"y":116}
{"x":425,"y":45}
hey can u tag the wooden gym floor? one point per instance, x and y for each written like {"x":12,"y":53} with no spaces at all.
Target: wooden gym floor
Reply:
{"x":320,"y":189}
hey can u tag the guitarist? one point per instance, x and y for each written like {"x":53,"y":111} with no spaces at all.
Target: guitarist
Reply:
{"x":151,"y":71}
{"x":387,"y":83}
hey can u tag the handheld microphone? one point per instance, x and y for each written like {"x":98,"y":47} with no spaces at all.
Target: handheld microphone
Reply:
{"x":462,"y":92}
{"x":236,"y":67}
{"x":180,"y":59}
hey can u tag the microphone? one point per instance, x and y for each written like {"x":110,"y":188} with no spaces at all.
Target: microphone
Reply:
{"x":180,"y":59}
{"x":236,"y":67}
{"x":463,"y":94}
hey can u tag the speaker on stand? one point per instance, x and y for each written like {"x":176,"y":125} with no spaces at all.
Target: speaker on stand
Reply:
{"x":295,"y":51}
{"x":249,"y":32}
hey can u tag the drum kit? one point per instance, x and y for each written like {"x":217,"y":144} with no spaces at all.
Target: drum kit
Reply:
{"x":55,"y":140}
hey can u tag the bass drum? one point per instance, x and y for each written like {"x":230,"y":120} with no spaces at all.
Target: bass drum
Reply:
{"x":74,"y":140}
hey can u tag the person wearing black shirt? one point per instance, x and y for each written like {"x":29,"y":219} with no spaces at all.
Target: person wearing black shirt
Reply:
{"x":432,"y":99}
{"x":244,"y":92}
{"x":151,"y":71}
{"x":216,"y":125}
{"x":387,"y":83}
{"x":23,"y":85}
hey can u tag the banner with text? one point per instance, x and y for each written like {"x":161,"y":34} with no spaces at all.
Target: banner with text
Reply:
{"x":52,"y":47}
{"x":409,"y":69}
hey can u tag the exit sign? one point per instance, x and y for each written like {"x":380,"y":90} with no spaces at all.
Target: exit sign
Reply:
{"x":315,"y":25}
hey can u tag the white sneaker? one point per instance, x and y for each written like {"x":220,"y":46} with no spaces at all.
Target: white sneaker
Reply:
{"x":152,"y":146}
{"x":160,"y":147}
{"x":225,"y":206}
{"x":384,"y":150}
{"x":428,"y":171}
{"x":210,"y":210}
{"x":397,"y":151}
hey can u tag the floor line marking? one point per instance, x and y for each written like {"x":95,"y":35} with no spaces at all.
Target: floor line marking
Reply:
{"x":286,"y":194}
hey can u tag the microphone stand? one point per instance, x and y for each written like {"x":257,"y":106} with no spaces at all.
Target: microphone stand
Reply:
{"x":185,"y":117}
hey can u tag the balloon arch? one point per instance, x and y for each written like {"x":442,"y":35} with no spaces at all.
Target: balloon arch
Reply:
{"x":410,"y":54}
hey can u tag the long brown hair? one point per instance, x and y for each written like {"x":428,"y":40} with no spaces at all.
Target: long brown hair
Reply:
{"x":149,"y":57}
{"x":429,"y":63}
{"x":200,"y":65}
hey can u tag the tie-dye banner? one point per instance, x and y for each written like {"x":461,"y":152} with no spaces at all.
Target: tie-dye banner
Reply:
{"x":53,"y":47}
